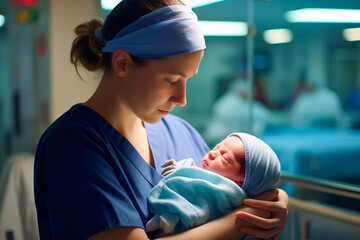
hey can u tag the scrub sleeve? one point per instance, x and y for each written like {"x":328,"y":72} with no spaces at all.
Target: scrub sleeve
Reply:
{"x":89,"y":178}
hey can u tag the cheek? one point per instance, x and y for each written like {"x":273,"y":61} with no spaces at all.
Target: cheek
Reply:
{"x":216,"y":165}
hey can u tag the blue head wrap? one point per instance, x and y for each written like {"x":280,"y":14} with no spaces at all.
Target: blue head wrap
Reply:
{"x":164,"y":32}
{"x":262,"y":166}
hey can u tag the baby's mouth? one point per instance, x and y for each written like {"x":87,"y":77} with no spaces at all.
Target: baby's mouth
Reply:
{"x":204,"y":163}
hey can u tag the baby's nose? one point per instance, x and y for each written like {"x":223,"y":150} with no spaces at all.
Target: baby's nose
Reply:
{"x":212,"y":155}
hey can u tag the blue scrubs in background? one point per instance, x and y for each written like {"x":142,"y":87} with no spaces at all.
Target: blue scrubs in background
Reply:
{"x":89,"y":178}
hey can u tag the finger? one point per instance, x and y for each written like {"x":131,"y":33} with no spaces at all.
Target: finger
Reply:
{"x":259,"y":233}
{"x":268,"y":196}
{"x":263,"y":223}
{"x":169,"y":168}
{"x":168,"y":163}
{"x":165,"y":173}
{"x":261,"y":204}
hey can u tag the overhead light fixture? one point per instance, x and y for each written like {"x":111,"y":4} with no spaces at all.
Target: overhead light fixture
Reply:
{"x":110,"y":4}
{"x":325,"y":15}
{"x":224,"y":28}
{"x":352,"y":34}
{"x":2,"y":20}
{"x":277,"y":36}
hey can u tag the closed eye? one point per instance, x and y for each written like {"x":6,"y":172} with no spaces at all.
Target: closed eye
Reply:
{"x":171,"y":81}
{"x":225,"y":160}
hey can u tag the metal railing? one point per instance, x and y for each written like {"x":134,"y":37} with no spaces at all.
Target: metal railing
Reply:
{"x":305,"y":210}
{"x":326,"y":186}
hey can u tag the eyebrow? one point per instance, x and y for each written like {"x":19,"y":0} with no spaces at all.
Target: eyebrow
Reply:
{"x":184,"y":75}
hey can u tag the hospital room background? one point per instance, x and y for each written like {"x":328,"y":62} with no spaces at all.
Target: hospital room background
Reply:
{"x":287,"y":71}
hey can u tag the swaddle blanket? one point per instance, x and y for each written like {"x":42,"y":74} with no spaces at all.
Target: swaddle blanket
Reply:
{"x":189,"y":197}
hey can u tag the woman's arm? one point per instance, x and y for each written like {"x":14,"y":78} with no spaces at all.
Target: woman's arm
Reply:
{"x":224,"y":228}
{"x":266,"y":227}
{"x":253,"y":219}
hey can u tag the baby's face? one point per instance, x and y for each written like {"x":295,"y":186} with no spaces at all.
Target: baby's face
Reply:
{"x":226,"y":158}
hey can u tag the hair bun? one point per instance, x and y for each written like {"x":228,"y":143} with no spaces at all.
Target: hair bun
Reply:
{"x":86,"y":47}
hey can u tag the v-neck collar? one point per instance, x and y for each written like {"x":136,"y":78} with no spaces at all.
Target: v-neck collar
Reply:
{"x":146,"y":170}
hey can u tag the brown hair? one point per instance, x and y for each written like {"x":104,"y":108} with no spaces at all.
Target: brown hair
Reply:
{"x":86,"y":48}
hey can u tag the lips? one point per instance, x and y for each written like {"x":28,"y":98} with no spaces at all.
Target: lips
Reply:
{"x":204,"y":163}
{"x":166,"y":112}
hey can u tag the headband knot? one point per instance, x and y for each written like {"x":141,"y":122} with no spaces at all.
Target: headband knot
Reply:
{"x":99,"y":35}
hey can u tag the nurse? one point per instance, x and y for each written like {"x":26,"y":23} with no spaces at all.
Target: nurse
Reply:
{"x":96,"y":164}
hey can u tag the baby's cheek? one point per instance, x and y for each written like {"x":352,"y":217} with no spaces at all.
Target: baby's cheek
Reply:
{"x":217,"y":167}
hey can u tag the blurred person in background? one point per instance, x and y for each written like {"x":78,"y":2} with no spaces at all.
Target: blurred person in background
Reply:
{"x":230,"y":113}
{"x":352,"y":104}
{"x":317,"y":104}
{"x":353,"y":98}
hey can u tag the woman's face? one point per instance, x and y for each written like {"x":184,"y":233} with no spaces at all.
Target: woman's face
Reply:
{"x":153,"y":90}
{"x":226,"y":158}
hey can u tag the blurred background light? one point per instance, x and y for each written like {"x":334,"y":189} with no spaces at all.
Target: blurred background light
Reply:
{"x":2,"y":20}
{"x":329,"y":15}
{"x":352,"y":34}
{"x":224,"y":28}
{"x":277,"y":36}
{"x":110,"y":4}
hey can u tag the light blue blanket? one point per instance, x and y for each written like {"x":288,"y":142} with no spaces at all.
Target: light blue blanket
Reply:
{"x":190,"y":197}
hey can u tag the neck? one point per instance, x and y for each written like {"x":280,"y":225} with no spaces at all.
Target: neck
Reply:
{"x":107,"y":102}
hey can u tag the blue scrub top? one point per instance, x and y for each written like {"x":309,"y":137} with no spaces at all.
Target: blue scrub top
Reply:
{"x":89,"y":178}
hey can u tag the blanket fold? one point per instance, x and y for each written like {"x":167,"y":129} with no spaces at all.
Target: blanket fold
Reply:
{"x":189,"y":197}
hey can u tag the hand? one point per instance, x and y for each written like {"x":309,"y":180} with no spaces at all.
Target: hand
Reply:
{"x":277,"y":203}
{"x":170,"y":166}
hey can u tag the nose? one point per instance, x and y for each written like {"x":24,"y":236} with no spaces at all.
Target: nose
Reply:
{"x":212,"y":155}
{"x":179,"y":95}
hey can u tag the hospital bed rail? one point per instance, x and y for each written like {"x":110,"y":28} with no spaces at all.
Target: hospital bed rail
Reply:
{"x":318,"y":184}
{"x":310,"y":219}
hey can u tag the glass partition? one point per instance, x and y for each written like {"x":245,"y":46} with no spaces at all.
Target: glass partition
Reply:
{"x":304,"y":99}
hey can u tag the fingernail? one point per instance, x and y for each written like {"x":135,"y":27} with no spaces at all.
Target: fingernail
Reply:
{"x":239,"y":215}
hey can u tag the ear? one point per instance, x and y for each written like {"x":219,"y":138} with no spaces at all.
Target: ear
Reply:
{"x":240,"y":180}
{"x":120,"y":61}
{"x":239,"y":183}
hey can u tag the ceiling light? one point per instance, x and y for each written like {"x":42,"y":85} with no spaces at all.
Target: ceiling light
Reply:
{"x":277,"y":36}
{"x":352,"y":34}
{"x":110,"y":4}
{"x":224,"y":28}
{"x":324,"y":15}
{"x":2,"y":20}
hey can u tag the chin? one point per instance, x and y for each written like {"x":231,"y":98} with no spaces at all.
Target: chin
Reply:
{"x":152,"y":120}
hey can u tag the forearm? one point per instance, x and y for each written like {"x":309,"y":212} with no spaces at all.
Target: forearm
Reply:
{"x":224,"y":228}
